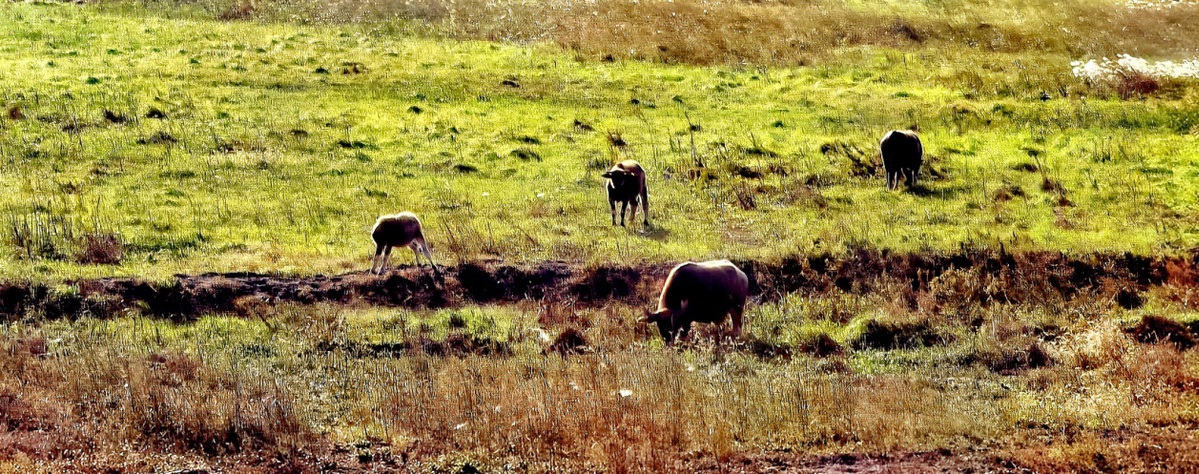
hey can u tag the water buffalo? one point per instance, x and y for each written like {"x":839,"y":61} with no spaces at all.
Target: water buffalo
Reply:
{"x":626,"y":184}
{"x":700,"y":292}
{"x":902,"y":154}
{"x":399,"y":230}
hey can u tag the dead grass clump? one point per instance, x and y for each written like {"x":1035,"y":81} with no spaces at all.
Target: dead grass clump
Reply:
{"x":158,"y":138}
{"x":745,"y":196}
{"x":525,"y":154}
{"x":795,"y":192}
{"x":957,"y":290}
{"x":1014,"y":358}
{"x":821,"y":345}
{"x":100,"y":248}
{"x":557,"y":314}
{"x":1166,"y":449}
{"x":764,"y":349}
{"x":173,"y":369}
{"x":238,"y":10}
{"x":1132,"y":84}
{"x":635,"y":411}
{"x":461,"y":345}
{"x":1129,"y":298}
{"x":1163,"y":371}
{"x":583,"y":126}
{"x":17,"y":414}
{"x":1155,"y":329}
{"x":115,"y":117}
{"x":861,"y":164}
{"x":179,"y":403}
{"x":1099,"y":346}
{"x":1007,"y":192}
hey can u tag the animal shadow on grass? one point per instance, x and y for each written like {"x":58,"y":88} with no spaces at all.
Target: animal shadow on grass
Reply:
{"x":654,"y":232}
{"x":944,"y":193}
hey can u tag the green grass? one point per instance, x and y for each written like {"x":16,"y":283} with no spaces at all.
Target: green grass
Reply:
{"x":237,"y":189}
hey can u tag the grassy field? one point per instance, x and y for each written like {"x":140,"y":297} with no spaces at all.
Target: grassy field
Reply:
{"x":276,"y":146}
{"x":143,"y":140}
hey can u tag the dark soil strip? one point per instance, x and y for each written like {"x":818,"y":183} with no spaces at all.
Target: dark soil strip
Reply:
{"x":975,"y":277}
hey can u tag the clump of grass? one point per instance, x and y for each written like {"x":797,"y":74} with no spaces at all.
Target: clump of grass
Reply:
{"x":100,"y":248}
{"x":158,"y":138}
{"x":41,"y":235}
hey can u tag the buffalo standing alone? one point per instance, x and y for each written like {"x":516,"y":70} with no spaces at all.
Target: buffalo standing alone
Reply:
{"x":626,"y":184}
{"x":902,"y":154}
{"x":702,"y":292}
{"x":399,"y":230}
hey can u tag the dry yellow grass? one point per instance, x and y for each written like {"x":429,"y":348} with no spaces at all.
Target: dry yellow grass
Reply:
{"x":763,"y":32}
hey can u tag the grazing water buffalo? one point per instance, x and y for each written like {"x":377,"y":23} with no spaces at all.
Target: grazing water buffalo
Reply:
{"x":700,"y":292}
{"x":902,"y":153}
{"x":399,"y":230}
{"x":626,"y":184}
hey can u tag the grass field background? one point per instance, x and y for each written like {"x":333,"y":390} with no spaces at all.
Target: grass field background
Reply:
{"x":277,"y":145}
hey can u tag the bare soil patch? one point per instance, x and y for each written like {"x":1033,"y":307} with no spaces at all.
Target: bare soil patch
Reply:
{"x":976,"y":277}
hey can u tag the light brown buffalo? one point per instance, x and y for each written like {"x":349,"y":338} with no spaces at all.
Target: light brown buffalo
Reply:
{"x":702,"y":292}
{"x":399,"y":230}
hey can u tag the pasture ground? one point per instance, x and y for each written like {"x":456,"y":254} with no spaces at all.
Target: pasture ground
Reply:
{"x":187,"y":188}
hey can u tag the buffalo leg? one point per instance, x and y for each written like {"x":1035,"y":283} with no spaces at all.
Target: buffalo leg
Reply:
{"x":915,"y":174}
{"x":737,"y":314}
{"x":386,"y":255}
{"x":612,"y":205}
{"x":624,"y":206}
{"x":633,"y":211}
{"x":645,"y":207}
{"x":424,"y":249}
{"x":375,"y":259}
{"x":416,"y":254}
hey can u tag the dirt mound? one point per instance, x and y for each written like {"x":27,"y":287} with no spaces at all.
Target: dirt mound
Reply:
{"x":570,"y":341}
{"x":1155,"y":329}
{"x":974,"y":276}
{"x":888,"y":336}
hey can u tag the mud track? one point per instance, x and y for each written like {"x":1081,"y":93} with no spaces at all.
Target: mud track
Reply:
{"x":981,"y":277}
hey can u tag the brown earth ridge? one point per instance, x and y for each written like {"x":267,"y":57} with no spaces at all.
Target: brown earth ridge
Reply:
{"x":969,"y":276}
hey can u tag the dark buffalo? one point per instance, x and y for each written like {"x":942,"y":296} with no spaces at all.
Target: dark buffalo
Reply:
{"x":626,"y":184}
{"x":902,"y":154}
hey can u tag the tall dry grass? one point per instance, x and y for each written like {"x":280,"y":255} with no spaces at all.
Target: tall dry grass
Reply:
{"x":644,"y":408}
{"x":759,"y":32}
{"x":321,"y":381}
{"x":92,"y":405}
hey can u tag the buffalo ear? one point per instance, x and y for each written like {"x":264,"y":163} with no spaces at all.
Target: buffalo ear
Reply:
{"x":656,"y":316}
{"x":607,"y":174}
